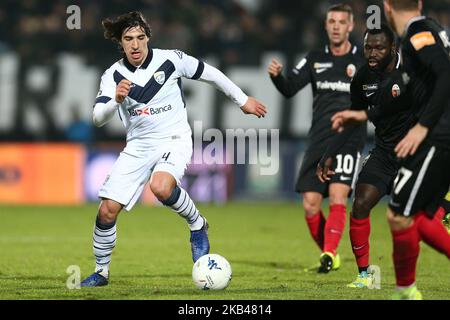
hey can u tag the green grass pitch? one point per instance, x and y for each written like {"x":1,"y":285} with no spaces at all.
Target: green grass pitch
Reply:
{"x":267,"y":244}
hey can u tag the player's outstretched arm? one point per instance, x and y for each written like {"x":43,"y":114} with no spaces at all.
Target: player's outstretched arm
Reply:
{"x":253,"y":106}
{"x":342,"y":118}
{"x":411,"y":142}
{"x":248,"y":105}
{"x":295,"y":80}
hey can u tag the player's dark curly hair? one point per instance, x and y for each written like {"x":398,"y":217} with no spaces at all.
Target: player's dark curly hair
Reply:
{"x":114,"y":28}
{"x":384,"y":28}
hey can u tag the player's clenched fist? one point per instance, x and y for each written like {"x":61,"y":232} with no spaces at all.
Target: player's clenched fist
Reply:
{"x":275,"y":68}
{"x":122,"y":90}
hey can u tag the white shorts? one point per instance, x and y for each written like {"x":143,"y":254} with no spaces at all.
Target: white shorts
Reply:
{"x":133,"y":169}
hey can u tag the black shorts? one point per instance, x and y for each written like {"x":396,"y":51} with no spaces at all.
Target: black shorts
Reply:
{"x":346,"y":166}
{"x":422,"y":181}
{"x":379,"y":169}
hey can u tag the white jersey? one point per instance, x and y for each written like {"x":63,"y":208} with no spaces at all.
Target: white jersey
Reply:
{"x":155,"y":108}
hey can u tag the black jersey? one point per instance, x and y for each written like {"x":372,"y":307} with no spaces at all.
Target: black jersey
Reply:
{"x":330,"y":77}
{"x":425,"y":50}
{"x":386,"y":101}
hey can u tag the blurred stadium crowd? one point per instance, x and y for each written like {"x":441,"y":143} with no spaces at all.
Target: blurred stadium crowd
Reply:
{"x":234,"y":32}
{"x":237,"y":31}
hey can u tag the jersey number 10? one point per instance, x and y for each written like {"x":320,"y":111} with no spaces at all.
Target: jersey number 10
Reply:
{"x":344,"y":163}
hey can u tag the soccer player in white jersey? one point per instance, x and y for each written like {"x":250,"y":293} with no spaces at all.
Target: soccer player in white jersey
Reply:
{"x":145,"y":89}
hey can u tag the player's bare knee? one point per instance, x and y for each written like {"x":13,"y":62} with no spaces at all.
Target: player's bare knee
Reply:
{"x":311,"y":207}
{"x":161,"y":188}
{"x":361,"y":208}
{"x":338,"y":201}
{"x":338,"y":198}
{"x":338,"y":193}
{"x":106,"y":216}
{"x":108,"y":212}
{"x":398,"y":222}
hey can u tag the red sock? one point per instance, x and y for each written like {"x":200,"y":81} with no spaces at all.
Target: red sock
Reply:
{"x":406,"y":252}
{"x":334,"y":228}
{"x":359,"y":237}
{"x":440,"y":213}
{"x":316,"y":225}
{"x":433,"y":232}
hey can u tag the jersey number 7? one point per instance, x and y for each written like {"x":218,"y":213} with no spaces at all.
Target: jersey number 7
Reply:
{"x":403,"y":176}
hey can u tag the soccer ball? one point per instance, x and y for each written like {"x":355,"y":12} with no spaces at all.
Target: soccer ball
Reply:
{"x":211,"y":271}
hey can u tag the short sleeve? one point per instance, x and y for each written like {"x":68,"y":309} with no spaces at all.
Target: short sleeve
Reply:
{"x":188,"y":66}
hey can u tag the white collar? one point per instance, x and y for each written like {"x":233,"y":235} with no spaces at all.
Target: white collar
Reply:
{"x":399,"y":60}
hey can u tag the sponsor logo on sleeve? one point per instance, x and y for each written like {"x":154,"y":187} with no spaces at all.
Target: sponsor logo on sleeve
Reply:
{"x":301,"y":64}
{"x":179,"y":53}
{"x":422,"y":39}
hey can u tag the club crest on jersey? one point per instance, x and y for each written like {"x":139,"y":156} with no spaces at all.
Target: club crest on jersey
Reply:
{"x":395,"y":90}
{"x":160,"y":77}
{"x":351,"y":70}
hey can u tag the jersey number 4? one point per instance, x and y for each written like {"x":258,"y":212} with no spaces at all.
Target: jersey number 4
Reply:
{"x":165,"y":156}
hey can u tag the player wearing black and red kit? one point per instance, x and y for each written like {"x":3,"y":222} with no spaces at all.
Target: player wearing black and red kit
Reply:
{"x":423,"y":178}
{"x":329,"y":71}
{"x":378,"y":94}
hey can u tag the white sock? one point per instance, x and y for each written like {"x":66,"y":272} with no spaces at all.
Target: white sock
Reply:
{"x":104,"y":243}
{"x":181,"y":203}
{"x":103,"y":270}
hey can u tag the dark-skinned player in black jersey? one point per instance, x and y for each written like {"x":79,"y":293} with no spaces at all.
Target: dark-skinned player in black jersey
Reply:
{"x":423,"y":178}
{"x":329,"y":70}
{"x":378,"y":94}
